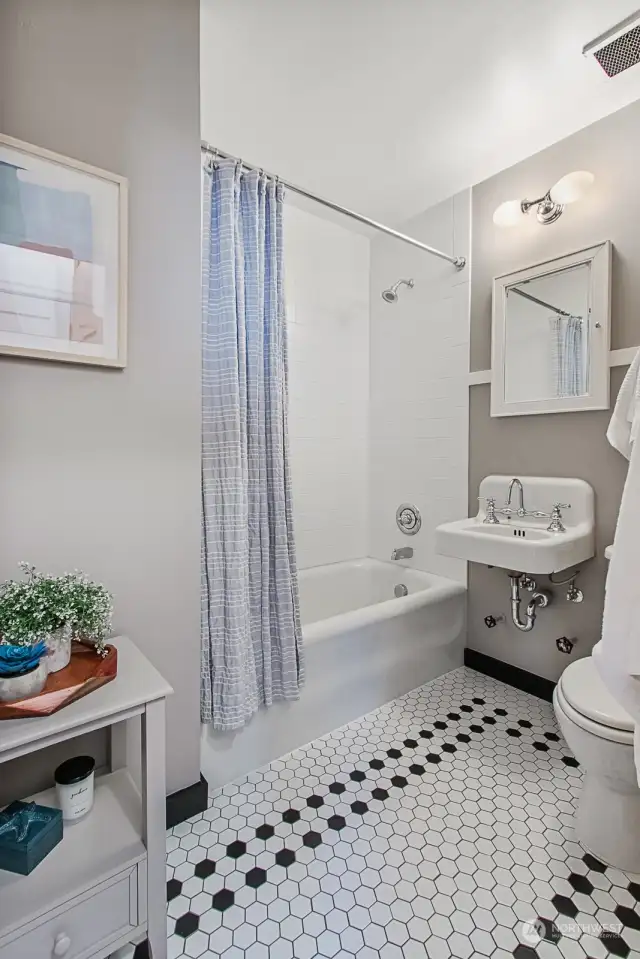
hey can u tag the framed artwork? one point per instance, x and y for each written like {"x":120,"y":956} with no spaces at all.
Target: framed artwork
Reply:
{"x":63,"y":258}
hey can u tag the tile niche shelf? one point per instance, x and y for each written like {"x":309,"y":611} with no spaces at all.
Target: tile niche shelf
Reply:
{"x":104,"y":885}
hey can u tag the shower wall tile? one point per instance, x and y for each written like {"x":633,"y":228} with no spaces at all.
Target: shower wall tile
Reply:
{"x":327,"y":286}
{"x":419,"y":397}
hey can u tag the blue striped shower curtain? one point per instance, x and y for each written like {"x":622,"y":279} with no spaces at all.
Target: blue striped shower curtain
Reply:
{"x":251,"y":634}
{"x":567,"y":356}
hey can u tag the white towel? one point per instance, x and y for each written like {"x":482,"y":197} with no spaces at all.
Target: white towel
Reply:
{"x":617,"y":655}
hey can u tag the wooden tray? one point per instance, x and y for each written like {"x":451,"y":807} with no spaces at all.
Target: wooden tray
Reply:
{"x":86,"y":671}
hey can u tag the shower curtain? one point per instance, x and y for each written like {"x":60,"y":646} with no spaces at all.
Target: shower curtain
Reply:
{"x":251,"y":634}
{"x":567,"y":356}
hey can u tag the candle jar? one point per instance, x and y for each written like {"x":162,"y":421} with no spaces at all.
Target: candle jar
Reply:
{"x":74,"y":787}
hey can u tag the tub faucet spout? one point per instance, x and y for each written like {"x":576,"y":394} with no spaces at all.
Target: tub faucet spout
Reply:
{"x":403,"y":552}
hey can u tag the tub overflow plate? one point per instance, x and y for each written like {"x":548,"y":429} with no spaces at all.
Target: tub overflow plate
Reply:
{"x":408,"y":519}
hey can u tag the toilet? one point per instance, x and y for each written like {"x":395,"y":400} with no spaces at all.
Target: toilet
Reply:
{"x":599,"y":733}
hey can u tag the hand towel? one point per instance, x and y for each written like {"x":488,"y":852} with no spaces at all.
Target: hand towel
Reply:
{"x":617,"y":655}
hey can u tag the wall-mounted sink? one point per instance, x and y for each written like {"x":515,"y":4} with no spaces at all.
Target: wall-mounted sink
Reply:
{"x":520,"y":540}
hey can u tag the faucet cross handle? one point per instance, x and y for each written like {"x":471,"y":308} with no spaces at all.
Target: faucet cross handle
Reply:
{"x":490,"y":516}
{"x":556,"y":525}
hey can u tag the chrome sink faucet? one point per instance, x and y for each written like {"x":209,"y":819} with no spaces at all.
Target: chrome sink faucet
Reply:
{"x":521,"y":511}
{"x":555,"y":516}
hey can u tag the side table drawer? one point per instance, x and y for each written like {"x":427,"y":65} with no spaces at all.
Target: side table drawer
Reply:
{"x":79,"y":928}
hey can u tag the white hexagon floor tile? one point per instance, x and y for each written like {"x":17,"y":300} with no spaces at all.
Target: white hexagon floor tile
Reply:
{"x":438,"y":826}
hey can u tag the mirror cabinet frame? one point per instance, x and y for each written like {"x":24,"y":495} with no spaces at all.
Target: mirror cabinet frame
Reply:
{"x":599,"y":259}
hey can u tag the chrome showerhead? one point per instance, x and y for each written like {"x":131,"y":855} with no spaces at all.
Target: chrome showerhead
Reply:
{"x":391,"y":295}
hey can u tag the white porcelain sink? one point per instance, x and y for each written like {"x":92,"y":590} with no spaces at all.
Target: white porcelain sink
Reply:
{"x":523,"y":543}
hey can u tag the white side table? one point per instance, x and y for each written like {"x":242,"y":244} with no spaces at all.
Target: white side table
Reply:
{"x":104,"y":884}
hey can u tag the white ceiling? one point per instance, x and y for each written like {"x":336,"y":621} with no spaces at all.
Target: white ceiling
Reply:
{"x":388,"y":106}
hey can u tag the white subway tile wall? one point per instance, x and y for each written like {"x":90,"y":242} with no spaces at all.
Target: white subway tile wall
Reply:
{"x":418,"y":386}
{"x":327,"y":286}
{"x":378,"y":392}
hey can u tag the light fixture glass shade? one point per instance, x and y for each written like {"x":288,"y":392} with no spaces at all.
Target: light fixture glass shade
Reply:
{"x":571,"y":187}
{"x":508,"y":213}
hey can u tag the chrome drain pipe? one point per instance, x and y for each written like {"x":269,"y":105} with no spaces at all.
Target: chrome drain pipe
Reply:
{"x":538,"y":601}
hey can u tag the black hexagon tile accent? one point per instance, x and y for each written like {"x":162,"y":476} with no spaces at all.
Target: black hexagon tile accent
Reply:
{"x":236,"y":849}
{"x":614,"y":944}
{"x":628,"y":917}
{"x":580,"y":883}
{"x":380,"y":794}
{"x":186,"y":924}
{"x":336,"y":822}
{"x":439,"y":826}
{"x":205,"y":868}
{"x":337,"y":788}
{"x":265,"y":831}
{"x":285,"y":857}
{"x":593,"y":864}
{"x":174,"y":888}
{"x":548,"y":929}
{"x":256,"y":877}
{"x":223,"y":900}
{"x":565,"y":906}
{"x":570,"y":761}
{"x":291,"y":816}
{"x":524,"y":952}
{"x":312,"y":839}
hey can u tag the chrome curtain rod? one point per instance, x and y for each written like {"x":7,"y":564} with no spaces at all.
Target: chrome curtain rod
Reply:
{"x":458,"y":261}
{"x":534,"y":299}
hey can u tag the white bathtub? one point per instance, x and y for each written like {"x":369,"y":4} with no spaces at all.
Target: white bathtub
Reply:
{"x":363,"y":647}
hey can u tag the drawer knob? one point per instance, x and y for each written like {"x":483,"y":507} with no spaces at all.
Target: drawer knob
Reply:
{"x":61,"y":944}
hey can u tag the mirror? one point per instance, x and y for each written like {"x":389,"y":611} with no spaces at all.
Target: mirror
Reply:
{"x":550,"y":336}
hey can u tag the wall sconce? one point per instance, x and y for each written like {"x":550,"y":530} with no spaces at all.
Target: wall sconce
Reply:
{"x":570,"y":188}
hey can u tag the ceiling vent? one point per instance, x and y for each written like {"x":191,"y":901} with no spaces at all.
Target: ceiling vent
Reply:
{"x":618,"y":48}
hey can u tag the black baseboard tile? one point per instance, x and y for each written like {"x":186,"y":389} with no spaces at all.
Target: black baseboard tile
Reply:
{"x":511,"y":675}
{"x":187,"y":802}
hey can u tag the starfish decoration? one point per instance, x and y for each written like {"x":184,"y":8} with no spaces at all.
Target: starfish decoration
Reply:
{"x":21,"y":820}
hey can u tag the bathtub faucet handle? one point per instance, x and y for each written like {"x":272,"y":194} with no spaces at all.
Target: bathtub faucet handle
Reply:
{"x":403,"y":552}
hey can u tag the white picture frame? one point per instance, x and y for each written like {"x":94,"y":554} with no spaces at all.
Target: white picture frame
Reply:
{"x":63,"y":258}
{"x":597,"y":395}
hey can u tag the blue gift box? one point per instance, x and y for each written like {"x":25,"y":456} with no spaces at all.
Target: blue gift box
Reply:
{"x":28,"y":832}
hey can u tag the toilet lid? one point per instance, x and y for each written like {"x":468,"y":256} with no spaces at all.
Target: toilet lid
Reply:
{"x":584,"y":690}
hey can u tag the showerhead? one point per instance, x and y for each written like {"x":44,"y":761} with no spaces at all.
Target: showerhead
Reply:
{"x":391,"y":295}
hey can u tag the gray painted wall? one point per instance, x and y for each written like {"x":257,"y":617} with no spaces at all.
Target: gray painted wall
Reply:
{"x":101,"y":469}
{"x":566,"y":444}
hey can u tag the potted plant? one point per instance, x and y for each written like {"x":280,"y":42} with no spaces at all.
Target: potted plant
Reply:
{"x":54,"y":610}
{"x":23,"y":670}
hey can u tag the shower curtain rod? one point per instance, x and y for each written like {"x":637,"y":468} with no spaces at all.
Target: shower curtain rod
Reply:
{"x":458,"y":261}
{"x":534,"y":299}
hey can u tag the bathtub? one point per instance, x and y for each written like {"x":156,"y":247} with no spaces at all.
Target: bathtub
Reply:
{"x":363,"y":647}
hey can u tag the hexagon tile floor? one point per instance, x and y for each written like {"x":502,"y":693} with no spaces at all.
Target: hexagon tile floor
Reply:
{"x":438,"y":825}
